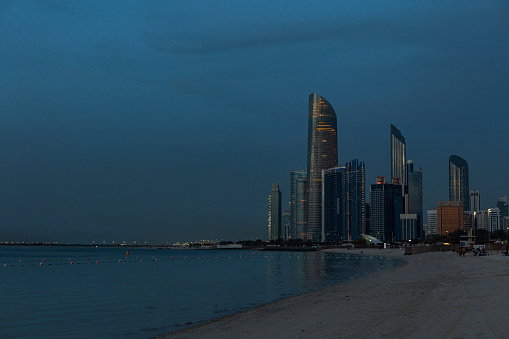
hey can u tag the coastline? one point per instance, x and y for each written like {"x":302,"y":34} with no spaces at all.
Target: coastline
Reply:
{"x":437,"y":294}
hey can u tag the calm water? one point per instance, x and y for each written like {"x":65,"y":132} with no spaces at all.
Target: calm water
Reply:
{"x":84,"y":292}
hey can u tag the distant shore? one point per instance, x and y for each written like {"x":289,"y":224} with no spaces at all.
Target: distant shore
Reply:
{"x":438,"y":294}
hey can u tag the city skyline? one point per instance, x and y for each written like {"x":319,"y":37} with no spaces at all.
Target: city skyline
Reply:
{"x":152,"y":121}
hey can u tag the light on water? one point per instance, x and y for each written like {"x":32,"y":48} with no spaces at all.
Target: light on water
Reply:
{"x":84,"y":292}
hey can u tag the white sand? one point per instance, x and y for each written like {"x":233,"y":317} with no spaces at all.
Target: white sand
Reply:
{"x":433,"y":295}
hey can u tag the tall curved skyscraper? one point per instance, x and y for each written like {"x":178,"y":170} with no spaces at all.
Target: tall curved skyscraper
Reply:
{"x":458,"y":181}
{"x":398,"y":155}
{"x":322,"y":154}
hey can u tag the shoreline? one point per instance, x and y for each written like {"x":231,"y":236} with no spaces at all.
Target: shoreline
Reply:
{"x":393,"y":253}
{"x":436,"y":294}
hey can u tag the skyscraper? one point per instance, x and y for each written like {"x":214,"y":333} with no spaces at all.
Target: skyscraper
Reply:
{"x":458,"y":181}
{"x":333,"y":204}
{"x":354,"y":215}
{"x":414,"y":184}
{"x":322,"y":154}
{"x":274,"y":213}
{"x":398,"y":156}
{"x":285,"y":225}
{"x":298,"y":206}
{"x":382,"y":209}
{"x":502,"y":205}
{"x":475,"y":201}
{"x":494,"y":220}
{"x":343,"y":206}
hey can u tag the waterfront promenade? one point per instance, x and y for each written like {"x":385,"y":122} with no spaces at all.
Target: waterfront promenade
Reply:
{"x":437,"y":295}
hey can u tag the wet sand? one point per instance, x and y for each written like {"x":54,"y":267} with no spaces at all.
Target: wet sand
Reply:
{"x":432,"y":295}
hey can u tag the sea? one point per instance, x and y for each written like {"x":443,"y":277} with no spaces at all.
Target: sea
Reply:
{"x":105,"y":292}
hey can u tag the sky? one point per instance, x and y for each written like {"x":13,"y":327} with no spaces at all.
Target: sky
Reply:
{"x":168,"y":121}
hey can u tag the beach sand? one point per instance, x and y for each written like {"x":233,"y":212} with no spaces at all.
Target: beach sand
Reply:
{"x":432,"y":295}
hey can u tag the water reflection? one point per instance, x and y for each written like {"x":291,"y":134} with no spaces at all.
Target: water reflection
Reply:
{"x":154,"y":291}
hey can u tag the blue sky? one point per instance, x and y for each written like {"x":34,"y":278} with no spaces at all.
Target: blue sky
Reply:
{"x":168,"y":121}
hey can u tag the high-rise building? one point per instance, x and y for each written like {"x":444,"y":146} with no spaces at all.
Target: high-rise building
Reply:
{"x":322,"y":154}
{"x":468,"y":220}
{"x":432,"y":222}
{"x":398,"y":156}
{"x":414,"y":184}
{"x":482,"y":220}
{"x":367,"y":213}
{"x":343,"y":205}
{"x":382,"y":213}
{"x":407,"y":227}
{"x":333,"y":204}
{"x":449,"y":216}
{"x":475,"y":201}
{"x":274,"y":213}
{"x":298,"y":206}
{"x":458,"y":181}
{"x":494,"y":220}
{"x":502,"y":205}
{"x":285,"y":225}
{"x":354,"y":211}
{"x":505,"y":224}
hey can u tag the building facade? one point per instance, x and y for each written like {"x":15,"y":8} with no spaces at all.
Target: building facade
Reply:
{"x":382,"y":212}
{"x":332,"y":204}
{"x":322,"y":154}
{"x":475,"y":201}
{"x":285,"y":225}
{"x":414,"y":185}
{"x":343,"y":204}
{"x":502,"y":205}
{"x":354,"y":211}
{"x":481,"y":220}
{"x":494,"y":220}
{"x":274,"y":213}
{"x":398,"y":156}
{"x":408,"y":227}
{"x":449,"y":216}
{"x":432,"y":222}
{"x":468,"y":220}
{"x":458,"y":181}
{"x":298,"y":205}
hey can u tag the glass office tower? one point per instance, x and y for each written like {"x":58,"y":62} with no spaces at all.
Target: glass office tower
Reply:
{"x":458,"y":181}
{"x":384,"y":198}
{"x":398,"y":156}
{"x":354,"y":215}
{"x":298,"y":206}
{"x":274,"y":213}
{"x":343,"y":205}
{"x":414,"y":184}
{"x":322,"y":154}
{"x":332,"y":204}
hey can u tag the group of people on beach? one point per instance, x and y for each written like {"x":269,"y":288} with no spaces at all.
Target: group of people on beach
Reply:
{"x":478,"y":251}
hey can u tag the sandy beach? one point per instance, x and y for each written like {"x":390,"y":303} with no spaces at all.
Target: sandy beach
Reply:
{"x":432,"y":295}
